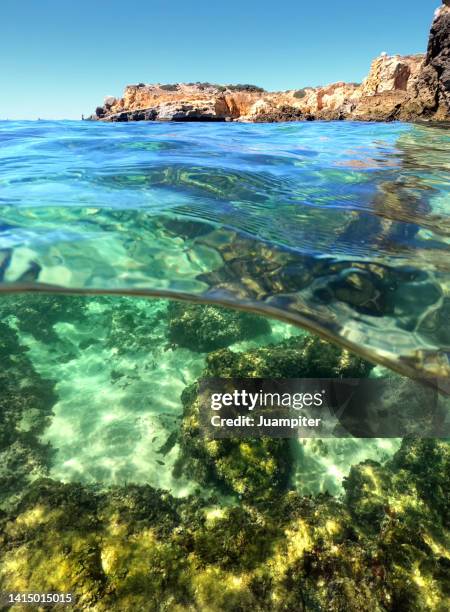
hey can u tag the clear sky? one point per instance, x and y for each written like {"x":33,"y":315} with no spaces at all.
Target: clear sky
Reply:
{"x":60,"y":58}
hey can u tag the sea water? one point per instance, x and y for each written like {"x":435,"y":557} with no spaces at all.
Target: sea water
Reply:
{"x":339,"y":227}
{"x":267,"y":233}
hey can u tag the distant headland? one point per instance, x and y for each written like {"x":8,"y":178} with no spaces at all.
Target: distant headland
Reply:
{"x":406,"y":88}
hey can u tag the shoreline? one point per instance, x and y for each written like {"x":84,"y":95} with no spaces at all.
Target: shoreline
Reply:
{"x":405,"y":88}
{"x":423,"y":122}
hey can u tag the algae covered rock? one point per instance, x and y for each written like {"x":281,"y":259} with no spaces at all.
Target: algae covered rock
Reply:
{"x":205,"y":328}
{"x":26,"y":402}
{"x":383,"y":546}
{"x":125,"y":548}
{"x":402,"y":510}
{"x":424,"y":463}
{"x":299,"y":357}
{"x":36,"y":314}
{"x":254,"y":469}
{"x":130,"y":324}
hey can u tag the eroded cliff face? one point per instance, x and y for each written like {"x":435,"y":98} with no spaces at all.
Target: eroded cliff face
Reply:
{"x":438,"y":60}
{"x":406,"y":88}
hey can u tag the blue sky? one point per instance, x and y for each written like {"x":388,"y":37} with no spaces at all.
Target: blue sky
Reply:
{"x":60,"y":58}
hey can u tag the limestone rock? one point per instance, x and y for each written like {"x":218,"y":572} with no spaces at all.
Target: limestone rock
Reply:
{"x":392,"y":73}
{"x":204,"y":327}
{"x":381,"y":107}
{"x":407,"y":88}
{"x":202,"y":110}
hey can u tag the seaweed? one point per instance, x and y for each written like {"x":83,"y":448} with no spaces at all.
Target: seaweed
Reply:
{"x":37,"y":314}
{"x":204,"y":328}
{"x":26,"y":401}
{"x":135,"y":547}
{"x":298,"y":357}
{"x":253,"y":469}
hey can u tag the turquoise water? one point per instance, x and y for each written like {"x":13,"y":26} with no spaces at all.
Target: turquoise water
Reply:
{"x":340,"y":227}
{"x":107,"y":490}
{"x":117,"y":374}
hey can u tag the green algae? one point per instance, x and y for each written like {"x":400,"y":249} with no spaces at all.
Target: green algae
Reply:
{"x":206,"y":328}
{"x":38,"y":314}
{"x":301,"y":357}
{"x":248,"y":539}
{"x":138,"y":548}
{"x":26,"y":401}
{"x":255,"y":468}
{"x":250,"y":468}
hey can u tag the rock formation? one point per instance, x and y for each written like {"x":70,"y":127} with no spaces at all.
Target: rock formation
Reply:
{"x":438,"y":60}
{"x":407,"y":88}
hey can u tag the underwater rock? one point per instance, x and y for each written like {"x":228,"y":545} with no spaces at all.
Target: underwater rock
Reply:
{"x":205,"y":328}
{"x":415,"y":489}
{"x":26,"y":402}
{"x":403,"y":510}
{"x":383,"y":547}
{"x":298,"y":357}
{"x":36,"y":314}
{"x":256,"y":468}
{"x":130,"y":325}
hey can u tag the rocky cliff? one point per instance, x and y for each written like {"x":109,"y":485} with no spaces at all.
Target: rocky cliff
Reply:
{"x":407,"y":88}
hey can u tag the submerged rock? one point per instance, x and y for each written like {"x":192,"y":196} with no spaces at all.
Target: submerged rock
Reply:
{"x":253,"y":469}
{"x":130,"y":327}
{"x":382,"y":547}
{"x":36,"y":314}
{"x":26,"y":402}
{"x":256,"y":469}
{"x":299,"y":357}
{"x":205,"y":328}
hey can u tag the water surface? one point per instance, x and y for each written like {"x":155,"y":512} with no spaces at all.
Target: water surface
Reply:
{"x":342,"y":228}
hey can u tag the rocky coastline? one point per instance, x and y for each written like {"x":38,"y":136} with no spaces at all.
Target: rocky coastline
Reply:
{"x":405,"y":88}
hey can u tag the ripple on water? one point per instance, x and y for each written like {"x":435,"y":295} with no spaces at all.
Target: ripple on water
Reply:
{"x":342,"y":228}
